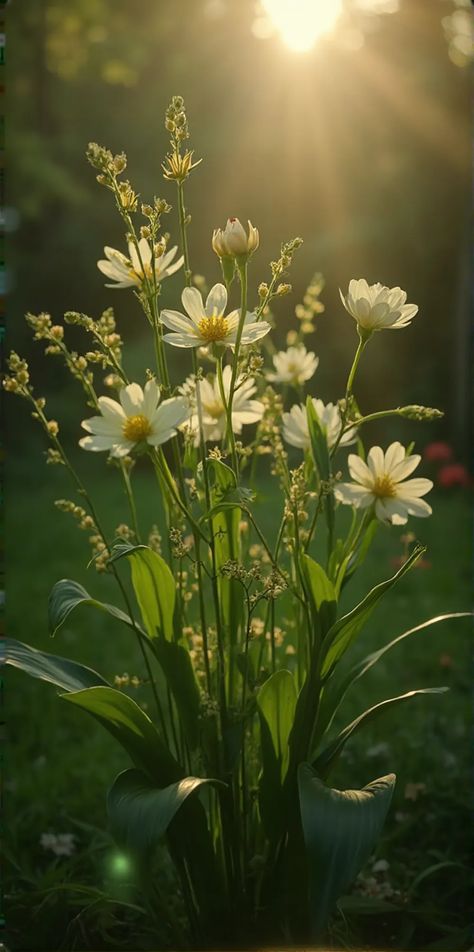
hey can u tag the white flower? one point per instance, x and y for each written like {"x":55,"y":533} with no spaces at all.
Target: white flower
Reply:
{"x":137,"y":418}
{"x":61,"y":844}
{"x":127,"y":272}
{"x":376,"y":307}
{"x":379,"y":482}
{"x":296,"y":431}
{"x":244,"y":410}
{"x":233,"y":241}
{"x":294,"y":365}
{"x":206,"y":324}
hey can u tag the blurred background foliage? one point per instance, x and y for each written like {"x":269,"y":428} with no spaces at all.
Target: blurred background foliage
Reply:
{"x":360,"y":145}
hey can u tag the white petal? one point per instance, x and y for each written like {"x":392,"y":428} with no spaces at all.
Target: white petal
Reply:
{"x":151,"y":398}
{"x":393,"y":455}
{"x":251,"y":333}
{"x":405,"y":467}
{"x":170,"y":414}
{"x":183,"y":340}
{"x":97,"y":444}
{"x":111,"y":410}
{"x":414,"y":487}
{"x":193,"y":304}
{"x":103,"y":427}
{"x":391,"y":510}
{"x":376,"y":460}
{"x":359,"y":470}
{"x":417,"y":507}
{"x":352,"y":494}
{"x":216,"y":302}
{"x":177,"y":322}
{"x":113,"y":255}
{"x":145,"y":250}
{"x":131,"y":398}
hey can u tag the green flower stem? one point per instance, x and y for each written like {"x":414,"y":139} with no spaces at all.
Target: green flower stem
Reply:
{"x":184,"y":235}
{"x":242,"y":268}
{"x":379,"y":415}
{"x":131,"y":500}
{"x":162,"y":469}
{"x":363,"y":339}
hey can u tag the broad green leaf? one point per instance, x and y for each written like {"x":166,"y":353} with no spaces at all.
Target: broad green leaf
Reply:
{"x":225,"y":527}
{"x":276,"y":703}
{"x":346,"y":629}
{"x":326,"y":759}
{"x":65,"y":674}
{"x":336,"y":688}
{"x":67,"y":595}
{"x":319,"y":442}
{"x":133,"y":729}
{"x":154,"y":587}
{"x":140,"y":812}
{"x":340,"y":829}
{"x":323,"y":600}
{"x":179,"y":672}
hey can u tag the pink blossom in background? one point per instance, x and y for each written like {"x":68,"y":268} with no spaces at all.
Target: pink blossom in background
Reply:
{"x":454,"y":474}
{"x":438,"y":452}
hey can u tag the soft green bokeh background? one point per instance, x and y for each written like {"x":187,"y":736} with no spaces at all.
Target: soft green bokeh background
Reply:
{"x":364,"y":152}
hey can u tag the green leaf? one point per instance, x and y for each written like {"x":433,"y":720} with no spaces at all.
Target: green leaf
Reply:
{"x":326,"y":759}
{"x":154,"y":587}
{"x":67,"y":595}
{"x":336,"y":688}
{"x":133,"y":729}
{"x":340,"y":829}
{"x":179,"y":672}
{"x":322,"y":595}
{"x":319,"y":442}
{"x":140,"y":812}
{"x":65,"y":674}
{"x":346,"y":629}
{"x":276,"y":703}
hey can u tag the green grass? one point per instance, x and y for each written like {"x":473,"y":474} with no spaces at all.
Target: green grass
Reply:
{"x":59,"y":762}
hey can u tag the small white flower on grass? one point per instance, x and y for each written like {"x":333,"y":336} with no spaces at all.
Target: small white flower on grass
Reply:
{"x":61,"y":844}
{"x":208,"y":324}
{"x":138,"y":418}
{"x":376,"y":307}
{"x":294,"y":366}
{"x":296,"y":431}
{"x":244,"y":409}
{"x":128,"y":272}
{"x":382,"y":482}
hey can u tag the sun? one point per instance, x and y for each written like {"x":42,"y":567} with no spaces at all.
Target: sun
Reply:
{"x":302,"y":22}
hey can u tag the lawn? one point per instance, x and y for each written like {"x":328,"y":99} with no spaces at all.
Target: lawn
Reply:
{"x":59,"y":762}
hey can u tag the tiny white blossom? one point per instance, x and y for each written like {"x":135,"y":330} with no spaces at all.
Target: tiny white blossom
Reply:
{"x":61,"y":844}
{"x":139,"y":417}
{"x":294,"y":366}
{"x":296,"y":430}
{"x":128,"y":272}
{"x":376,"y":307}
{"x":244,"y":409}
{"x":382,"y":482}
{"x":207,"y":323}
{"x":233,"y":241}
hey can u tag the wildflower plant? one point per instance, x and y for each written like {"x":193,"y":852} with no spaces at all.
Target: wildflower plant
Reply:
{"x":239,"y":635}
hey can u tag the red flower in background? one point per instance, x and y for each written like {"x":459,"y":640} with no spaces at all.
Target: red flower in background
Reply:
{"x":455,"y":474}
{"x":438,"y":452}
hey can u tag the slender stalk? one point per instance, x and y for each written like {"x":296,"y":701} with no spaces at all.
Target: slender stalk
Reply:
{"x":131,"y":500}
{"x":242,"y":267}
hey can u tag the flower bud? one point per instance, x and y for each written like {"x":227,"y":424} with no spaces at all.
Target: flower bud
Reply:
{"x":233,"y":241}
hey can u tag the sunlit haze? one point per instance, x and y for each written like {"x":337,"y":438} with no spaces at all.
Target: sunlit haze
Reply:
{"x":302,"y":22}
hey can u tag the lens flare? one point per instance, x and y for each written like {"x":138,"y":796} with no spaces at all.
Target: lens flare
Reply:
{"x":302,"y":22}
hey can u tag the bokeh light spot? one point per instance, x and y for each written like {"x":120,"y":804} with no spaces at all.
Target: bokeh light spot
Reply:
{"x":302,"y":22}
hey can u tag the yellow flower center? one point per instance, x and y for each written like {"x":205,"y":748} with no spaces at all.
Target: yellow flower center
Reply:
{"x":384,"y":487}
{"x":147,"y":272}
{"x":214,"y":409}
{"x":136,"y":428}
{"x":213,"y":328}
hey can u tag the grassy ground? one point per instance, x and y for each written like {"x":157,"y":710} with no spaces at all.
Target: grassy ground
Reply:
{"x":59,"y":762}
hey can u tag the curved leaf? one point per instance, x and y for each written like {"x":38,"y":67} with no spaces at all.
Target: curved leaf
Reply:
{"x":323,"y":599}
{"x":276,"y":703}
{"x":133,"y":729}
{"x":347,"y":628}
{"x":340,"y":829}
{"x":335,"y":690}
{"x":154,"y":587}
{"x":65,"y":674}
{"x":326,"y":759}
{"x":67,"y":595}
{"x":179,"y":672}
{"x":140,"y":813}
